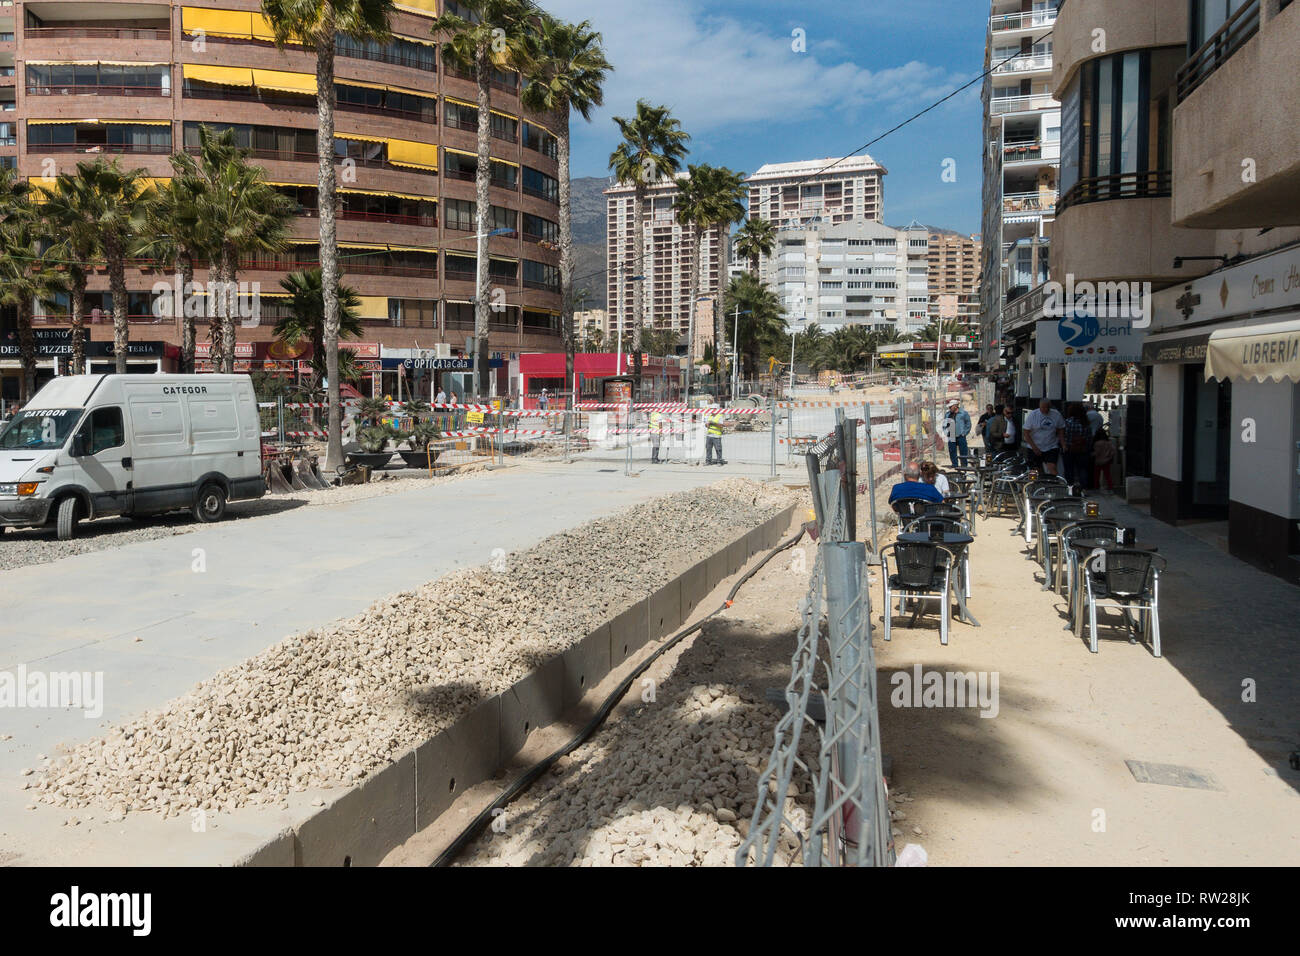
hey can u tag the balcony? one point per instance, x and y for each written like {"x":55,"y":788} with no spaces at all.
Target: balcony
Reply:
{"x":1155,"y":184}
{"x":1016,"y":22}
{"x":1024,"y":64}
{"x":108,"y":149}
{"x":1028,"y":203}
{"x":96,"y":33}
{"x":100,"y":90}
{"x":999,"y":105}
{"x":1236,"y":143}
{"x":1227,"y":40}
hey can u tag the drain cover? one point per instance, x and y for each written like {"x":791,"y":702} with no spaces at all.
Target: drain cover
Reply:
{"x":1172,"y":775}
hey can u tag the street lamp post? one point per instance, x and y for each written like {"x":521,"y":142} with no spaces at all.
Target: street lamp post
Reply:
{"x":622,"y":278}
{"x":690,"y":347}
{"x":735,"y":353}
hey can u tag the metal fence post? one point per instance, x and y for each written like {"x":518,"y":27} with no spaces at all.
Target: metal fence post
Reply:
{"x":279,"y":413}
{"x":848,"y":629}
{"x":902,"y":432}
{"x":871,"y":477}
{"x":772,"y":406}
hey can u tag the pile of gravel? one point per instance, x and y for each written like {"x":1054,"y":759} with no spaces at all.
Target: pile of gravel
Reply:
{"x":331,"y":705}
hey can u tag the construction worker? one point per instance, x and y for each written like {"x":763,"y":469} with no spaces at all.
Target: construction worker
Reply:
{"x":656,"y":435}
{"x":713,"y":440}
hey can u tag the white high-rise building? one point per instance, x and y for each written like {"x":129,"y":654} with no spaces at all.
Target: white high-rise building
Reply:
{"x":853,"y":273}
{"x":829,"y":191}
{"x":1021,"y":161}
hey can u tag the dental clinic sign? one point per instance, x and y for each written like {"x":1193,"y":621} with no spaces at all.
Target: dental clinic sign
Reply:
{"x":1086,"y":338}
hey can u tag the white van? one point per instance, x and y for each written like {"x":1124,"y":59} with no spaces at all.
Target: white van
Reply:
{"x":90,"y":446}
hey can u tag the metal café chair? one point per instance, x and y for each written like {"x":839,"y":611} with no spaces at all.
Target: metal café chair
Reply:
{"x":905,"y":508}
{"x":1036,"y":491}
{"x":1090,"y":529}
{"x":1000,"y":490}
{"x":921,"y":572}
{"x":1036,"y":519}
{"x":1052,"y":516}
{"x":1128,"y":579}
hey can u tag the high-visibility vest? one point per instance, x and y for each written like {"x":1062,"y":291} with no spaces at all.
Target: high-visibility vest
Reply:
{"x":715,"y":426}
{"x":656,"y":422}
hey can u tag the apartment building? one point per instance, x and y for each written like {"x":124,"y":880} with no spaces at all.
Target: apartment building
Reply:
{"x":135,"y":81}
{"x":1181,"y":173}
{"x":663,"y":267}
{"x":854,"y":273}
{"x":1021,"y":160}
{"x":954,"y":275}
{"x":832,"y":191}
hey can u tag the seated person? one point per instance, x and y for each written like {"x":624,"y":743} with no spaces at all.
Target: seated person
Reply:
{"x":931,"y":475}
{"x":913,"y":487}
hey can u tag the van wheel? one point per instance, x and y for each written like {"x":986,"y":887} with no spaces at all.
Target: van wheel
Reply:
{"x":211,"y":504}
{"x":66,"y":523}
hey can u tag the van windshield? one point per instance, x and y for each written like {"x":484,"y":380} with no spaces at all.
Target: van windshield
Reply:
{"x":40,"y":429}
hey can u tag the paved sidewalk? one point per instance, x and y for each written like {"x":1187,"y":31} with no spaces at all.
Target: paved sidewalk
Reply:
{"x":1045,"y":781}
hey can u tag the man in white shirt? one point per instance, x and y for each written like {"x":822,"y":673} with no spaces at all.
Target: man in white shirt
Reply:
{"x":1044,"y":434}
{"x":1095,"y":421}
{"x":442,"y":396}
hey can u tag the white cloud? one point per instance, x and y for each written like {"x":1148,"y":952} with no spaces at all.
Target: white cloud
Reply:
{"x":717,"y":72}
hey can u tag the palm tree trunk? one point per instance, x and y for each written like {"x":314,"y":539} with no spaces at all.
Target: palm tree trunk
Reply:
{"x":117,"y":283}
{"x":753,"y":265}
{"x":188,"y":335}
{"x":27,"y":351}
{"x":216,"y":304}
{"x":566,"y":251}
{"x":78,"y":293}
{"x":694,"y":289}
{"x":638,"y":288}
{"x":329,"y":262}
{"x":229,"y":268}
{"x":482,"y":220}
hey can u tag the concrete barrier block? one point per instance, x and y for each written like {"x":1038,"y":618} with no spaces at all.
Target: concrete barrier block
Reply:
{"x":462,"y":756}
{"x":717,"y":569}
{"x":535,"y":701}
{"x":627,"y":633}
{"x":695,"y":585}
{"x":664,"y":610}
{"x":280,"y":850}
{"x":585,"y":665}
{"x":737,"y":554}
{"x":362,"y":825}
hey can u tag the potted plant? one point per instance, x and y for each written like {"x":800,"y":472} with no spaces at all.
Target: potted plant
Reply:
{"x":418,"y":439}
{"x":373,"y":440}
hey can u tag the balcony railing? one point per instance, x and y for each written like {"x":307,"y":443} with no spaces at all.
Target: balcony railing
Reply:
{"x":97,"y":33}
{"x":152,"y":149}
{"x":1227,"y":40}
{"x":1032,"y":20}
{"x":1024,"y":64}
{"x":1022,"y":152}
{"x":98,"y":89}
{"x":1155,"y":184}
{"x":1028,"y":202}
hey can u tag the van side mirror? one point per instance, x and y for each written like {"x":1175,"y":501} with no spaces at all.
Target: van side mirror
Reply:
{"x":78,"y":447}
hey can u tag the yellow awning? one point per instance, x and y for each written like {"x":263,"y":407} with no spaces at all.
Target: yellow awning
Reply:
{"x":404,"y":152}
{"x":461,"y":152}
{"x":55,"y":122}
{"x":359,"y":138}
{"x":138,"y":122}
{"x":364,"y":84}
{"x":506,"y":161}
{"x":217,"y":23}
{"x":503,"y":115}
{"x":284,"y":81}
{"x":129,"y":63}
{"x":61,"y":62}
{"x":380,"y":192}
{"x":304,"y":242}
{"x":424,"y":40}
{"x":261,"y":28}
{"x":1258,"y":353}
{"x":225,"y":75}
{"x":425,"y":8}
{"x":452,"y":99}
{"x":295,"y":185}
{"x":373,"y":306}
{"x":513,"y":262}
{"x":383,"y":247}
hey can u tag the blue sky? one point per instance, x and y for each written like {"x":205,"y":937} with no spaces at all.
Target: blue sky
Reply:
{"x":729,"y":72}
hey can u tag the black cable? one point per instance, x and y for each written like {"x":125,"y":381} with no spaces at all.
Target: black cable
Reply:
{"x":535,"y":772}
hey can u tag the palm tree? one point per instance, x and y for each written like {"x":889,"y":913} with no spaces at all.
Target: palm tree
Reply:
{"x":111,"y":203}
{"x":761,"y":322}
{"x":728,"y":192}
{"x":566,"y":69}
{"x":175,"y":233}
{"x":70,"y":210}
{"x":810,"y":346}
{"x":306,"y":318}
{"x":28,"y":274}
{"x":653,"y":147}
{"x":316,"y":25}
{"x":492,"y":33}
{"x":754,"y":240}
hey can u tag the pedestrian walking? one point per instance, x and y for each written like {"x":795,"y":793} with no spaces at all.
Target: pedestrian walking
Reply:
{"x":1044,"y":432}
{"x":713,"y":439}
{"x":956,"y":426}
{"x":1103,"y":456}
{"x":544,"y":400}
{"x":982,"y":426}
{"x":996,"y":432}
{"x":1076,"y":443}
